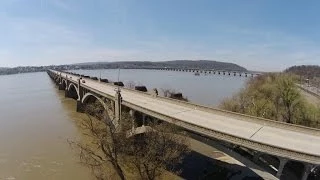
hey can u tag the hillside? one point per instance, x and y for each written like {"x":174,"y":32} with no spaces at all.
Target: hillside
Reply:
{"x":26,"y":69}
{"x":200,"y":64}
{"x":308,"y":71}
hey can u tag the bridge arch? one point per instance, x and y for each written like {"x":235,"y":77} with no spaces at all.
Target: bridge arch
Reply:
{"x":316,"y":171}
{"x":73,"y":91}
{"x":57,"y":79}
{"x":91,"y":97}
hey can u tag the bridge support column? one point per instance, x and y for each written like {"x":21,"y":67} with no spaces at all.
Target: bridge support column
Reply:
{"x":60,"y":80}
{"x":66,"y":93}
{"x":306,"y":171}
{"x":283,"y":162}
{"x":256,"y":156}
{"x":131,"y":112}
{"x":143,"y":119}
{"x":79,"y":100}
{"x":117,"y":109}
{"x":79,"y":106}
{"x":61,"y":86}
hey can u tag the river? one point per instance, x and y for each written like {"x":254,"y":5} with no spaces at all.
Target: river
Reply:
{"x":36,"y":120}
{"x":35,"y":123}
{"x":207,"y":89}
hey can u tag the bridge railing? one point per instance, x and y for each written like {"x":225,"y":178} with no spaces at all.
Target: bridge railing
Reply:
{"x":217,"y":134}
{"x":249,"y":143}
{"x":243,"y":117}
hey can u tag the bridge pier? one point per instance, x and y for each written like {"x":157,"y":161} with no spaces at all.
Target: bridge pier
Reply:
{"x":117,"y":109}
{"x":131,"y":112}
{"x":283,"y":162}
{"x":66,"y":92}
{"x":144,"y":119}
{"x":79,"y":100}
{"x":61,"y":86}
{"x":79,"y":106}
{"x":307,"y":170}
{"x":256,"y":156}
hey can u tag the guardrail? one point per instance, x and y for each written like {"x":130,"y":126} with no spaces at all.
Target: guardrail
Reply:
{"x":243,"y":117}
{"x":249,"y":143}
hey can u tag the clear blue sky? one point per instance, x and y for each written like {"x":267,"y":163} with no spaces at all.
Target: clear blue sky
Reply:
{"x":266,"y":35}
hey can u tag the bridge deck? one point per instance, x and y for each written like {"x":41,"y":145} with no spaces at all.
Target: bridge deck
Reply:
{"x":295,"y":138}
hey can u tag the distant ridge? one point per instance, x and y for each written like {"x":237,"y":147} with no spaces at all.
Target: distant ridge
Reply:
{"x":178,"y":64}
{"x":183,"y":64}
{"x":309,"y":71}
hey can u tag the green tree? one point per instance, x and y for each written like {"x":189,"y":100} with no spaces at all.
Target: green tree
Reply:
{"x":274,"y":96}
{"x":289,"y":97}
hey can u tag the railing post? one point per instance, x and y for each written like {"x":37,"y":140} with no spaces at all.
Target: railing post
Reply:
{"x":155,"y":92}
{"x":283,"y":162}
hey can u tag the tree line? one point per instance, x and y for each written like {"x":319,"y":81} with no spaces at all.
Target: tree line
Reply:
{"x":310,"y":72}
{"x":274,"y":96}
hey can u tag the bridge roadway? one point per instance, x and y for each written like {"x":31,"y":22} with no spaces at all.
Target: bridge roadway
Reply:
{"x":267,"y":136}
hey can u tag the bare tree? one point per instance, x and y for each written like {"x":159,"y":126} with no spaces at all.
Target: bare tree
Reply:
{"x":156,"y":151}
{"x":289,"y":96}
{"x":105,"y":143}
{"x":112,"y":155}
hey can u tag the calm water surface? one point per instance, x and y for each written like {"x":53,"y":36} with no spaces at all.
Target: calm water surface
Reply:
{"x":36,"y":120}
{"x":35,"y":123}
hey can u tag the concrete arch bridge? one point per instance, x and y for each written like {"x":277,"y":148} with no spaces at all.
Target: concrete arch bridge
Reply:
{"x":287,"y":142}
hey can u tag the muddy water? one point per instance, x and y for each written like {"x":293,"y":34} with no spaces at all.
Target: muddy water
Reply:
{"x":35,"y":123}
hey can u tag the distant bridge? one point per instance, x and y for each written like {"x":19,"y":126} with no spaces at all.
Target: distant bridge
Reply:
{"x":211,"y":71}
{"x":287,"y":142}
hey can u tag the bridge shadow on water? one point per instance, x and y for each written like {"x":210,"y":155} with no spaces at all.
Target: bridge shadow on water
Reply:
{"x":198,"y":166}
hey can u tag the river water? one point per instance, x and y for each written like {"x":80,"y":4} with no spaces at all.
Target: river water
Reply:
{"x":204,"y":89}
{"x":35,"y":123}
{"x":36,"y":120}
